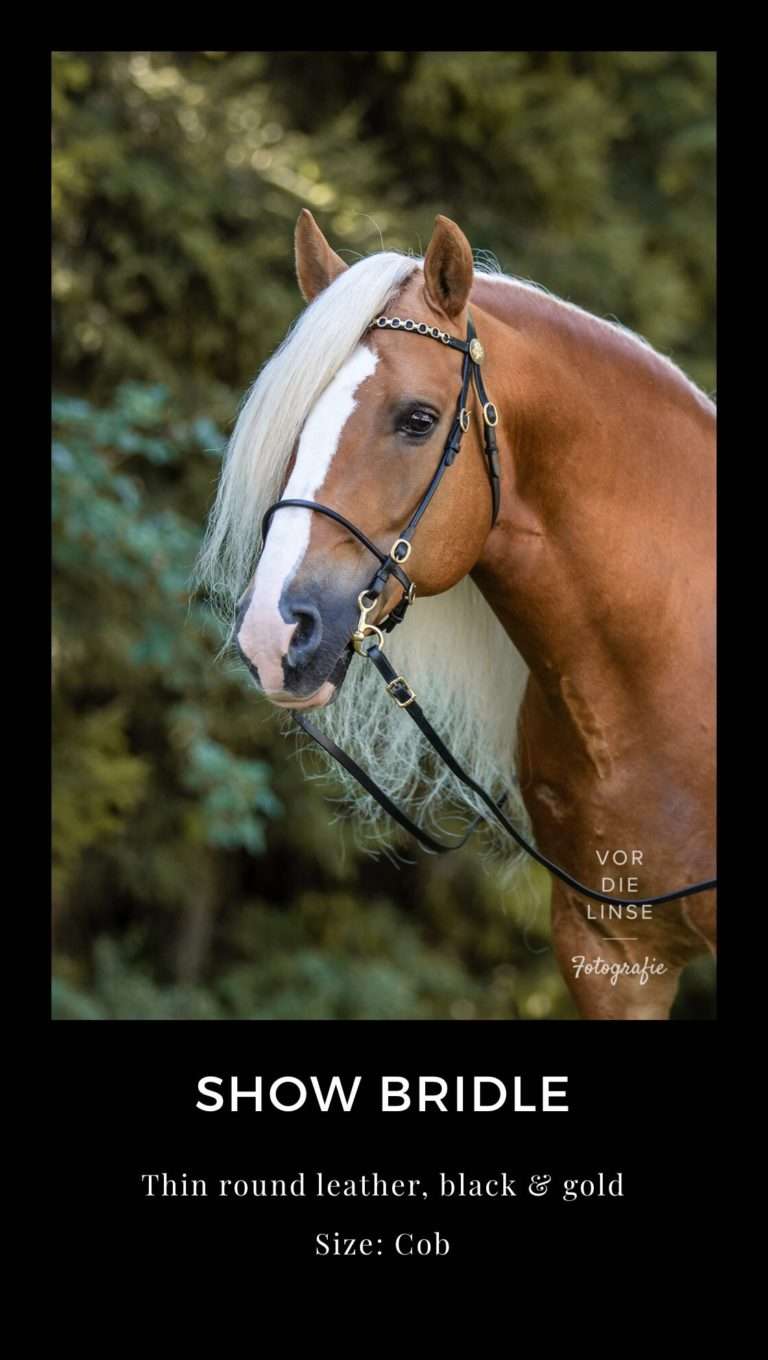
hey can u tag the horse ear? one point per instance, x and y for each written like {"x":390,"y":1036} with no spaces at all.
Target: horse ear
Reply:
{"x":448,"y":267}
{"x":316,"y":264}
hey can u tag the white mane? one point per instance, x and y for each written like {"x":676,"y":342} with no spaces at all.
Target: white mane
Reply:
{"x":472,"y":700}
{"x":469,"y":678}
{"x":275,"y":410}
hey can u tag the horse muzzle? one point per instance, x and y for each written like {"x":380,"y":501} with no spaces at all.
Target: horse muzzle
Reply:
{"x":298,"y":658}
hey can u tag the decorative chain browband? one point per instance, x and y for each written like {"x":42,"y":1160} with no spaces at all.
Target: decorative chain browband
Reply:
{"x":395,"y":323}
{"x":472,"y":347}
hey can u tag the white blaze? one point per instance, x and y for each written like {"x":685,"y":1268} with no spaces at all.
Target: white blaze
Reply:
{"x":264,"y":635}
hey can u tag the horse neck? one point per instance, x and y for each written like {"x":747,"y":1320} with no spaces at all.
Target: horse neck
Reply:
{"x":604,"y":542}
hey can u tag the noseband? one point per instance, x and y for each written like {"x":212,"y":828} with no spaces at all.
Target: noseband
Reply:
{"x":368,"y":639}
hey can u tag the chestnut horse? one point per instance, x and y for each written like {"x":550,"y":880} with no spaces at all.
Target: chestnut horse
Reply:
{"x":565,"y":650}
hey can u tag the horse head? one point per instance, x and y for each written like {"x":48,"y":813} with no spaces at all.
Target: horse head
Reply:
{"x":381,"y":412}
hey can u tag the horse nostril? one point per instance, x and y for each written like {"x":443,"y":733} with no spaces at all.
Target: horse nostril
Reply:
{"x":307,"y":634}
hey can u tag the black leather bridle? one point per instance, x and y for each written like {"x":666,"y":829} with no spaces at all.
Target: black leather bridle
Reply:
{"x":368,"y":639}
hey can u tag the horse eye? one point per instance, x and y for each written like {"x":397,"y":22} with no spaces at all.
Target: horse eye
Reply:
{"x":418,"y":423}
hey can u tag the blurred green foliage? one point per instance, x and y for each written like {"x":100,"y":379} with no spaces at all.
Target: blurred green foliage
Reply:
{"x":196,"y":874}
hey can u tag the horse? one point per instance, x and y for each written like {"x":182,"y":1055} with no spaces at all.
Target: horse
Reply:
{"x":562,"y":636}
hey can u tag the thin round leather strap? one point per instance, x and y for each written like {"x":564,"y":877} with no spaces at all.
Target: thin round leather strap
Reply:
{"x":404,"y":697}
{"x":489,"y":416}
{"x":391,"y":564}
{"x":434,"y":847}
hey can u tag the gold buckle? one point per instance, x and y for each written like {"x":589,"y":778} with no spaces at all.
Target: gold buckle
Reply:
{"x":464,"y":419}
{"x":400,"y":680}
{"x":408,"y":547}
{"x":489,"y":406}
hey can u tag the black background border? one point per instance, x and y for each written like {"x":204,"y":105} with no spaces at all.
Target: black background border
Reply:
{"x":646,"y":1099}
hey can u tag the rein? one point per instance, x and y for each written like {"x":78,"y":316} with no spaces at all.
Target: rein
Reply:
{"x":368,"y":639}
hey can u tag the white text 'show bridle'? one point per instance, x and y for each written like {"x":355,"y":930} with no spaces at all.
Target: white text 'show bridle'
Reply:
{"x":368,"y":638}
